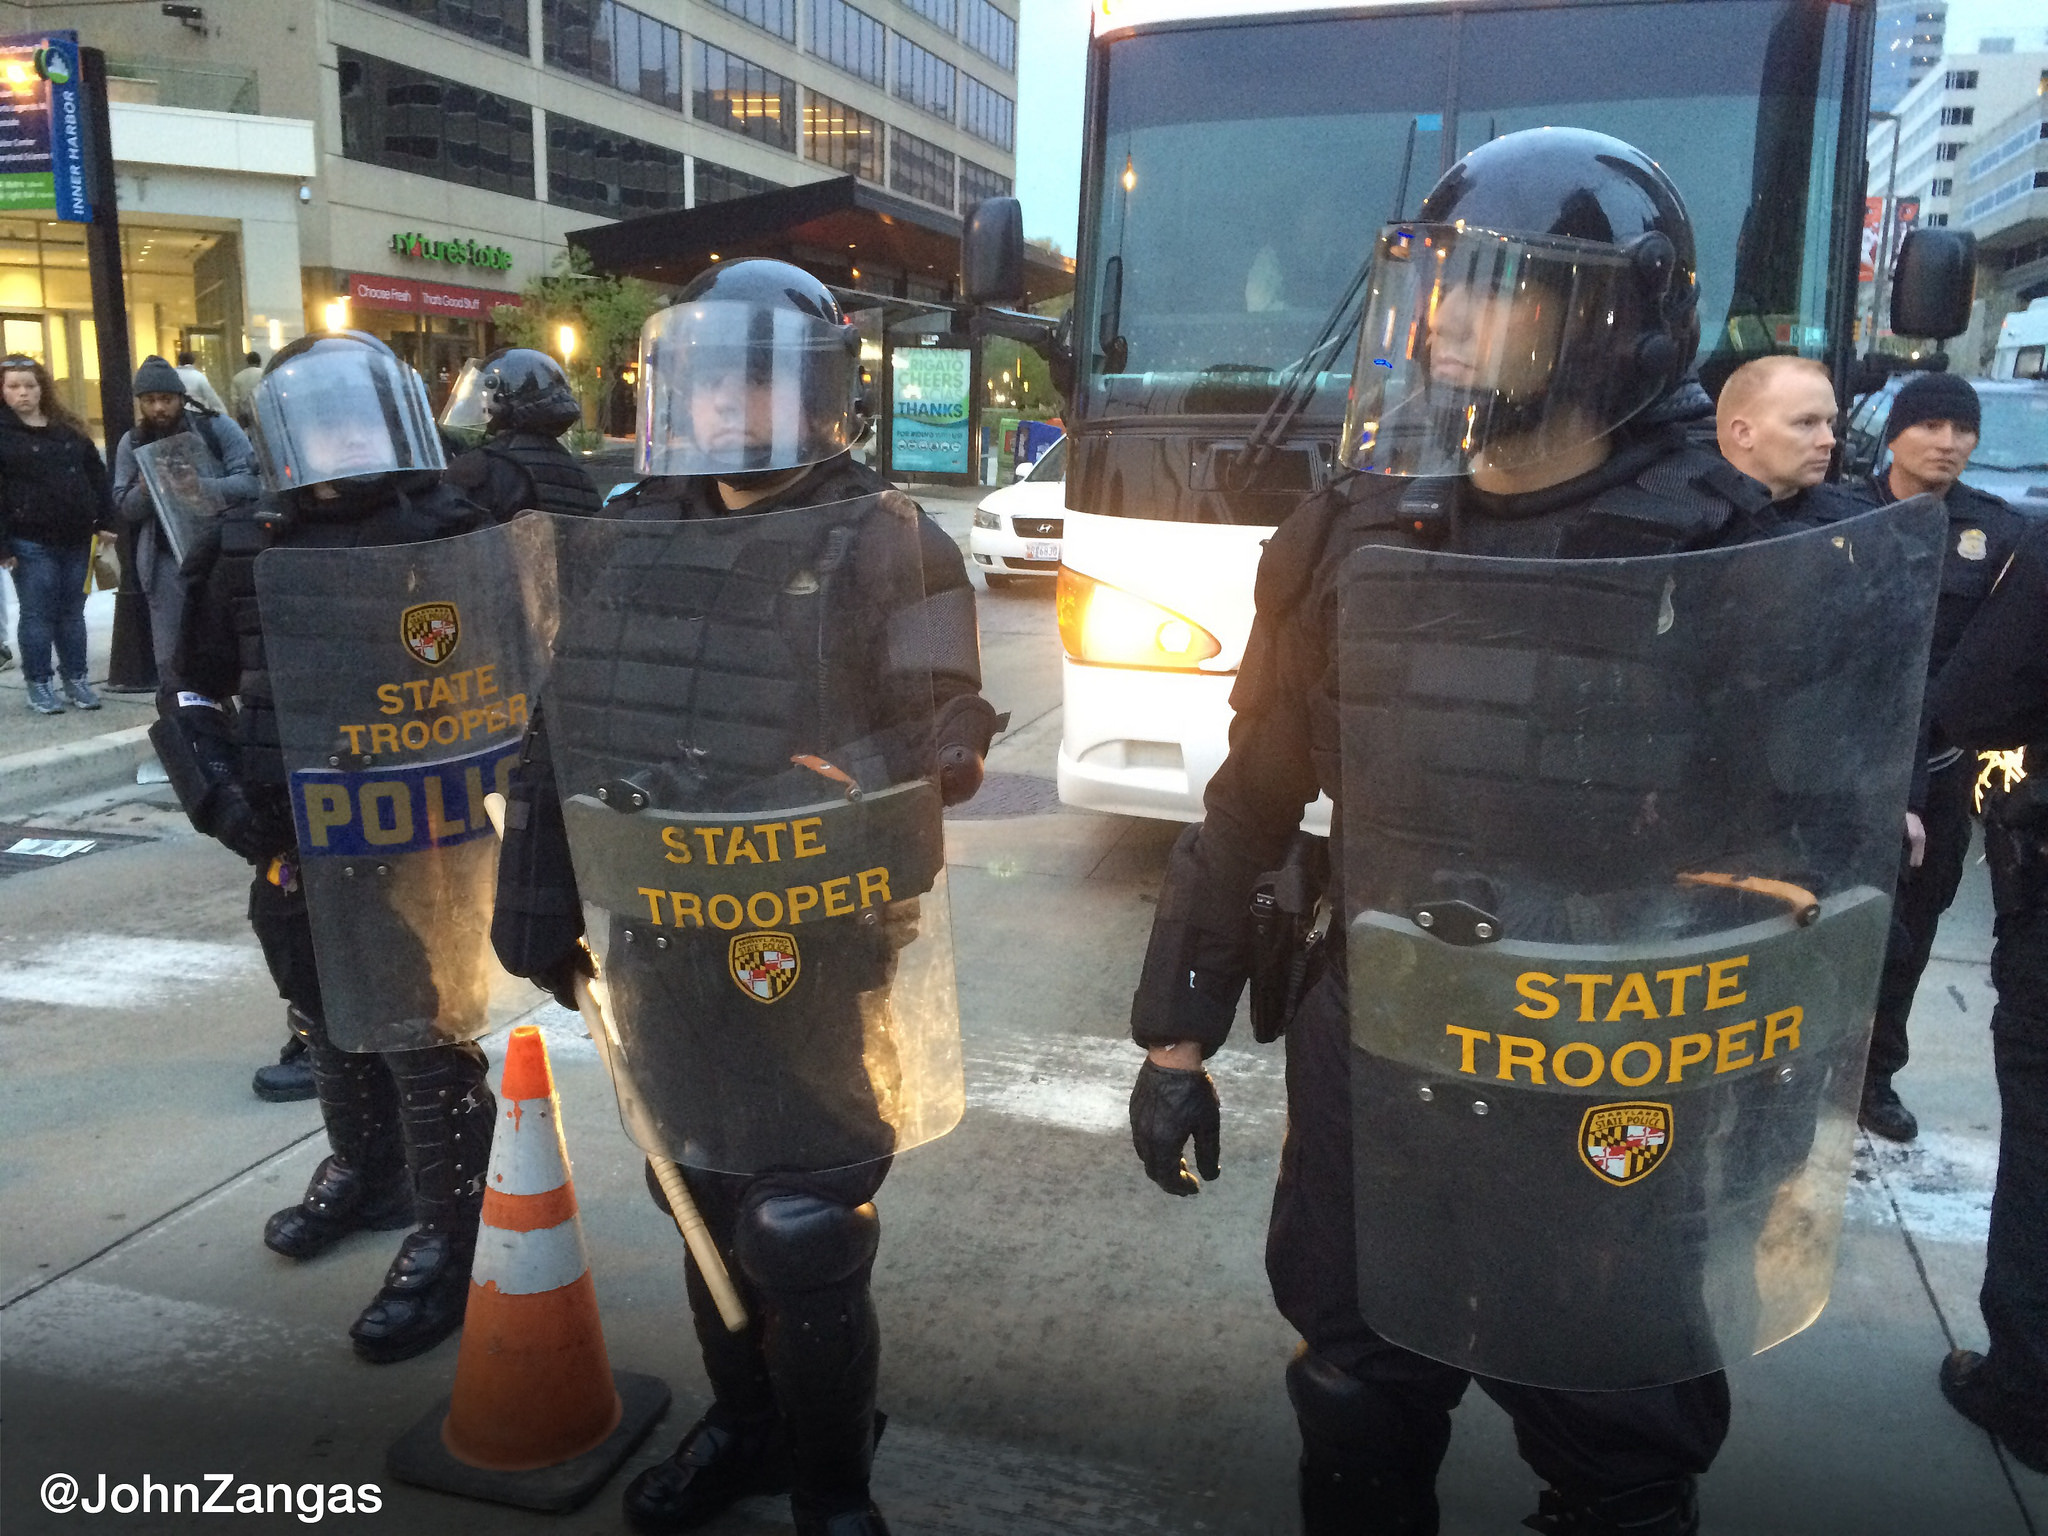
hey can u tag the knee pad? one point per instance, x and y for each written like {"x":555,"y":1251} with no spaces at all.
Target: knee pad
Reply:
{"x":790,"y":1241}
{"x":1346,"y":1419}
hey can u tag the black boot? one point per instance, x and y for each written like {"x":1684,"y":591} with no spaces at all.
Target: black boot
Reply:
{"x":1653,"y":1509}
{"x":1883,"y":1114}
{"x":1369,"y":1455}
{"x":363,"y":1187}
{"x":723,"y":1458}
{"x":1970,"y":1383}
{"x":290,"y":1079}
{"x":447,"y":1114}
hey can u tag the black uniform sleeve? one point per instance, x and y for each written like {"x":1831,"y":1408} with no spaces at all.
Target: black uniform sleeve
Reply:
{"x":1992,"y":694}
{"x":1199,"y":955}
{"x":208,"y":659}
{"x":538,"y":918}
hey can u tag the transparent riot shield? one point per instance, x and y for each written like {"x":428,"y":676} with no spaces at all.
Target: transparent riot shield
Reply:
{"x":1619,"y":839}
{"x":181,"y":473}
{"x":739,"y":713}
{"x":405,"y":677}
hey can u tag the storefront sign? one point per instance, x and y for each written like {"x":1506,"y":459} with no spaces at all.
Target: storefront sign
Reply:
{"x":457,"y":253}
{"x":42,"y":126}
{"x":930,"y":430}
{"x":367,"y":291}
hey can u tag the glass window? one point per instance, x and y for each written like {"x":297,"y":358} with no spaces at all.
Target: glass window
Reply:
{"x":978,"y":182}
{"x":408,"y":120}
{"x":940,"y":13}
{"x":837,"y":135}
{"x":1208,"y":183}
{"x":849,"y":38}
{"x":721,"y":183}
{"x":501,"y":23}
{"x":733,"y":93}
{"x":776,"y":16}
{"x":991,"y":33}
{"x":1958,"y":117}
{"x":919,"y":168}
{"x":2015,"y":432}
{"x":987,"y":113}
{"x":615,"y":45}
{"x":924,"y":79}
{"x":609,"y":174}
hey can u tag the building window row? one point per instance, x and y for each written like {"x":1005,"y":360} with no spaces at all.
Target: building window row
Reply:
{"x":721,"y":183}
{"x":501,"y":23}
{"x":943,"y":14}
{"x":776,"y":17}
{"x":978,"y":182}
{"x":847,"y":140}
{"x":921,"y":169}
{"x":735,"y":94}
{"x":1957,"y":117}
{"x":990,"y":33}
{"x":1946,"y":153}
{"x":988,"y":114}
{"x":2005,"y":149}
{"x":407,"y":120}
{"x":1959,"y":80}
{"x":615,"y":45}
{"x":1941,"y":186}
{"x":610,"y":174}
{"x":2011,"y":191}
{"x":924,"y":79}
{"x":848,"y":38}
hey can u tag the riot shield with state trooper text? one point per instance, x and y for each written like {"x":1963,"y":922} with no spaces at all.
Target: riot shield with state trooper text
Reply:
{"x":739,"y":713}
{"x":405,"y":677}
{"x":1619,"y":839}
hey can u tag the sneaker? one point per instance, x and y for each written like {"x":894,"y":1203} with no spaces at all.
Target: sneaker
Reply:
{"x":1974,"y":1391}
{"x":42,"y":698}
{"x":1883,"y":1115}
{"x":78,"y":693}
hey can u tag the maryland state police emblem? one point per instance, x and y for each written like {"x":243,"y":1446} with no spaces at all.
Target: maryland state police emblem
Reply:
{"x":430,"y":631}
{"x":1623,"y":1142}
{"x":764,"y":965}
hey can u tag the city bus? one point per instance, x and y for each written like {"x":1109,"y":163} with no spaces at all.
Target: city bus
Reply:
{"x":1239,"y":158}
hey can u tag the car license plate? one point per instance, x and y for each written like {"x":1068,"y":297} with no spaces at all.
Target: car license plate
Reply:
{"x":1042,"y":549}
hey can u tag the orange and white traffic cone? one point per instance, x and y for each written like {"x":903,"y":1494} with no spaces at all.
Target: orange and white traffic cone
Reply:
{"x":538,"y":1418}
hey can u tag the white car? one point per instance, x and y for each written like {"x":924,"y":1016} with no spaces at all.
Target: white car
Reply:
{"x":1017,"y":529}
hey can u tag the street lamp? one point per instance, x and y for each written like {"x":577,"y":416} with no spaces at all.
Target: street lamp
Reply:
{"x":336,"y":315}
{"x":566,"y":339}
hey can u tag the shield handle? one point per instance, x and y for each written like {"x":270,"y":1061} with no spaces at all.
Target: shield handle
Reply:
{"x":1804,"y":904}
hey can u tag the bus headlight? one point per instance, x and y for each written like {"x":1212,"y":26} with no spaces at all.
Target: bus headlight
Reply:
{"x":1110,"y":627}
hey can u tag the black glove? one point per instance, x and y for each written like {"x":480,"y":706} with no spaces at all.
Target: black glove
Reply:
{"x":244,"y":826}
{"x":559,"y":977}
{"x":960,"y":771}
{"x":1168,"y":1106}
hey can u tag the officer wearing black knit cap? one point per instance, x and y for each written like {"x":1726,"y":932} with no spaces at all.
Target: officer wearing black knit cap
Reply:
{"x":1930,"y":435}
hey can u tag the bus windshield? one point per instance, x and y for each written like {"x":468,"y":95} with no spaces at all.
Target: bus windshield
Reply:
{"x":1240,"y":171}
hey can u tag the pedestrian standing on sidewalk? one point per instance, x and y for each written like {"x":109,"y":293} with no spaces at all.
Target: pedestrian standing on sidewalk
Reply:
{"x":53,"y":498}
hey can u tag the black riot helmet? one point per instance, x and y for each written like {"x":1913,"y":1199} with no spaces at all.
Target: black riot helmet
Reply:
{"x":515,"y":389}
{"x":341,"y":406}
{"x":1545,"y":294}
{"x":753,"y":369}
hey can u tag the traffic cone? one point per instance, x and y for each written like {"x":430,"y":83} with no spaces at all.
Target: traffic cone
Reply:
{"x":538,"y":1418}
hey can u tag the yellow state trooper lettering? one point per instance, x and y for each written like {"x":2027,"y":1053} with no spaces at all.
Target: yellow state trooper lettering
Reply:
{"x":768,"y":908}
{"x":1541,"y":1004}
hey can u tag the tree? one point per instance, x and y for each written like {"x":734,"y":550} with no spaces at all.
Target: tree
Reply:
{"x":607,"y":313}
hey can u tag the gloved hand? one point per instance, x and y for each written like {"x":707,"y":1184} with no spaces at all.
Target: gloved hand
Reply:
{"x":244,"y":826}
{"x":559,"y":977}
{"x":1167,"y":1107}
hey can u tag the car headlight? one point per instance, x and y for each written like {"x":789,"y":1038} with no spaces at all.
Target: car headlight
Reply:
{"x":983,"y":518}
{"x":1110,"y":627}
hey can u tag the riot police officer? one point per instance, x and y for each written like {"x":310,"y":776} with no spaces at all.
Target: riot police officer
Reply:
{"x":1522,"y":348}
{"x":845,"y":602}
{"x":346,"y":448}
{"x":523,"y":403}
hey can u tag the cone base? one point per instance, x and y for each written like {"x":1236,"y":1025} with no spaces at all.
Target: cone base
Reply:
{"x":419,"y":1457}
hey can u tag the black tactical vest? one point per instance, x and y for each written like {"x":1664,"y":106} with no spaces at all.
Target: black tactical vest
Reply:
{"x":558,"y":482}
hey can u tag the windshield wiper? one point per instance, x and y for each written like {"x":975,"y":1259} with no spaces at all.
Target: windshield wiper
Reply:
{"x":1298,"y":384}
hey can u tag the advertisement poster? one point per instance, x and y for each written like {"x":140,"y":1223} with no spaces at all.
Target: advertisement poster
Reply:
{"x":42,"y":126}
{"x":931,"y":426}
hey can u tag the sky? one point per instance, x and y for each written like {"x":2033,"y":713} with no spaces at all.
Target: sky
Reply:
{"x":1052,"y":67}
{"x":1052,"y":63}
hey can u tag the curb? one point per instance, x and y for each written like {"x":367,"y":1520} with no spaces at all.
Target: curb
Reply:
{"x":31,"y":780}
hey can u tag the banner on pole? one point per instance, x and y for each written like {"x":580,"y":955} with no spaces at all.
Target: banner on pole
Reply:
{"x":42,"y":126}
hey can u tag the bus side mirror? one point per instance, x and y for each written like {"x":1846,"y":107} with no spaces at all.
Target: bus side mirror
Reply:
{"x":1933,"y":283}
{"x":992,"y":252}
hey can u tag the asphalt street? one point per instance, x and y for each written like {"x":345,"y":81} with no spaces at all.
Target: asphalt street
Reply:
{"x":1066,"y":1349}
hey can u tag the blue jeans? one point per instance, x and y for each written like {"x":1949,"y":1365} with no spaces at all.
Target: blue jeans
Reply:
{"x":49,"y":579}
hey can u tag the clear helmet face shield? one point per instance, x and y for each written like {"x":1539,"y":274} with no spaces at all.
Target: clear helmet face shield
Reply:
{"x":462,"y":418}
{"x":344,"y":409}
{"x":737,"y":387}
{"x":1480,"y":350}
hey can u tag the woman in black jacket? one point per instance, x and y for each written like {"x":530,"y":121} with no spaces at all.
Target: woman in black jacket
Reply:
{"x":53,"y":498}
